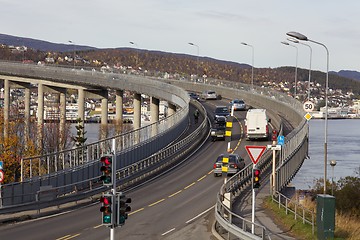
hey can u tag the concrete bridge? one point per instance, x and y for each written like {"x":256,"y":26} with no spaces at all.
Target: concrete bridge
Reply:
{"x":146,"y":148}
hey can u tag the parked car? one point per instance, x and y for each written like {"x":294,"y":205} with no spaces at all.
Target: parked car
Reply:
{"x":194,"y":95}
{"x":209,"y":94}
{"x":238,"y":104}
{"x":228,"y":164}
{"x":221,"y":111}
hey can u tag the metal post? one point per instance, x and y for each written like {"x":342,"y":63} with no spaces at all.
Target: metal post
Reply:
{"x":253,"y":204}
{"x":113,"y":190}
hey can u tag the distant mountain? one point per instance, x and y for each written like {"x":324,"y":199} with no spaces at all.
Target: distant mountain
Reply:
{"x":40,"y":45}
{"x":348,"y":74}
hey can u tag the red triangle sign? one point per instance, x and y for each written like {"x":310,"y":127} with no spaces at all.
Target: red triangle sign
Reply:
{"x":255,"y":152}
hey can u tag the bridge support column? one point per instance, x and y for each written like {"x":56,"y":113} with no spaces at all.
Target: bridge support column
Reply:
{"x":27,"y":115}
{"x":154,"y":114}
{"x":137,"y":111}
{"x":171,"y":109}
{"x":40,"y":116}
{"x":81,"y":105}
{"x":119,"y":106}
{"x":62,"y":106}
{"x":6,"y":107}
{"x":104,"y":115}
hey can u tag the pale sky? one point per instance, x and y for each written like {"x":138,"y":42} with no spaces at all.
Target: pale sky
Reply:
{"x":216,"y":27}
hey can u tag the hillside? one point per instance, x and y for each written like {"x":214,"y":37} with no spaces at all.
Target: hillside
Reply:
{"x":156,"y":62}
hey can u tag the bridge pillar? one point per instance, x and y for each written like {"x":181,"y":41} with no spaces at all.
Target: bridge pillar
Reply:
{"x":27,"y":115}
{"x":81,"y":105}
{"x":40,"y":116}
{"x":119,"y":107}
{"x":171,"y":109}
{"x":137,"y":111}
{"x":104,"y":115}
{"x":154,"y":113}
{"x":62,"y":106}
{"x":6,"y":107}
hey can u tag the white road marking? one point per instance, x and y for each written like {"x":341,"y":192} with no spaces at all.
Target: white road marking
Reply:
{"x":168,"y":232}
{"x":199,"y":215}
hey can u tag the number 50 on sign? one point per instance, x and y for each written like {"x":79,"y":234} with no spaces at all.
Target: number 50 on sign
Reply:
{"x":308,"y":106}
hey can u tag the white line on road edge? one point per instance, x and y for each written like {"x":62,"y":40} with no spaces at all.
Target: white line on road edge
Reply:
{"x":199,"y":215}
{"x":168,"y":232}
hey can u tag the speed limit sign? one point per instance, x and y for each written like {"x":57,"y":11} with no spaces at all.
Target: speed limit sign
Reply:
{"x":1,"y":176}
{"x":308,"y":106}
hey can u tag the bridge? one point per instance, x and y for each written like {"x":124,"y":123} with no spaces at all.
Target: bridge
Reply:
{"x":151,"y":149}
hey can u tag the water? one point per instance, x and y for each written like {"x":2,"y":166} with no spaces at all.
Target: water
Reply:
{"x":343,"y":146}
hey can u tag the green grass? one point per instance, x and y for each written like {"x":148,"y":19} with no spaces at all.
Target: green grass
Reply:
{"x":296,"y":227}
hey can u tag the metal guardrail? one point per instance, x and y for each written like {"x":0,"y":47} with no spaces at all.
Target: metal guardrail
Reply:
{"x":126,"y":176}
{"x":299,"y":211}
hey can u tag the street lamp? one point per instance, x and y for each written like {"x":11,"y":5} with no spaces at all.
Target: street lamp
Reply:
{"x":288,"y":44}
{"x":332,"y":164}
{"x":197,"y":58}
{"x":74,"y":51}
{"x":296,"y":41}
{"x":252,"y":64}
{"x":137,"y":52}
{"x":302,"y":37}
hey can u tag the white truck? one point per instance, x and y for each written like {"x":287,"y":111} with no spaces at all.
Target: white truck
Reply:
{"x":256,"y":124}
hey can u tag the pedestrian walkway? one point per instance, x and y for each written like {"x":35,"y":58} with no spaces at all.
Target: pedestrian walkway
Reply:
{"x":262,"y":217}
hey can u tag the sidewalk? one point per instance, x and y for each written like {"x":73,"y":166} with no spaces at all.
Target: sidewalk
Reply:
{"x":262,"y":217}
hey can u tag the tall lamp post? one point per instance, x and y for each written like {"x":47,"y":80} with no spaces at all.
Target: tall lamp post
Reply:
{"x":74,"y":51}
{"x":197,"y":57}
{"x":137,"y":53}
{"x":296,"y":41}
{"x":296,"y":67}
{"x":302,"y":37}
{"x":252,"y":64}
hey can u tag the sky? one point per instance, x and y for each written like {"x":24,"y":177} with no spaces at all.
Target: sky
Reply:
{"x":217,"y":28}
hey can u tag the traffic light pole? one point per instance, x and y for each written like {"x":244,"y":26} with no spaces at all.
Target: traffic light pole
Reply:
{"x":113,"y":191}
{"x":253,"y":205}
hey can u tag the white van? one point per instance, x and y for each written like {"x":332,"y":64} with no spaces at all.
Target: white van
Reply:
{"x":256,"y":124}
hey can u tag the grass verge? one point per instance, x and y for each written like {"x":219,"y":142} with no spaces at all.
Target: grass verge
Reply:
{"x":287,"y":221}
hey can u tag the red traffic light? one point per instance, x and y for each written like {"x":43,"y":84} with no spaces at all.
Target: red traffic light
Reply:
{"x":274,"y":135}
{"x":256,"y":178}
{"x":107,"y":160}
{"x":105,"y":200}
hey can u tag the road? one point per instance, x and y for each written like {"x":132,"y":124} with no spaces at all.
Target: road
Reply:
{"x":176,"y":205}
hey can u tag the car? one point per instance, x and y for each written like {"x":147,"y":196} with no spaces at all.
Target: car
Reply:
{"x":209,"y":95}
{"x":228,"y":164}
{"x":238,"y":104}
{"x":218,"y":130}
{"x":257,"y":124}
{"x":221,"y":111}
{"x":194,"y":95}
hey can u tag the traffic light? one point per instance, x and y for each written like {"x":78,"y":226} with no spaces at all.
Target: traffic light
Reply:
{"x":122,"y":208}
{"x":106,"y":209}
{"x":274,"y":135}
{"x":256,"y":177}
{"x":106,"y":170}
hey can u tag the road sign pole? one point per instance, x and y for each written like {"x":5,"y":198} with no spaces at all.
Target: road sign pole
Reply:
{"x":0,"y":197}
{"x":273,"y":168}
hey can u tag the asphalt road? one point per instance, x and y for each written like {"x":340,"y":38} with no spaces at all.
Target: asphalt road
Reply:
{"x":176,"y":205}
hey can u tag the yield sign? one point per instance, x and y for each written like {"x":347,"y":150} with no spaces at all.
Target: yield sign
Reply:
{"x":255,"y":152}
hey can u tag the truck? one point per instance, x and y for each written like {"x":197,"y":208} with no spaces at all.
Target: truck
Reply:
{"x":218,"y":129}
{"x":257,"y":124}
